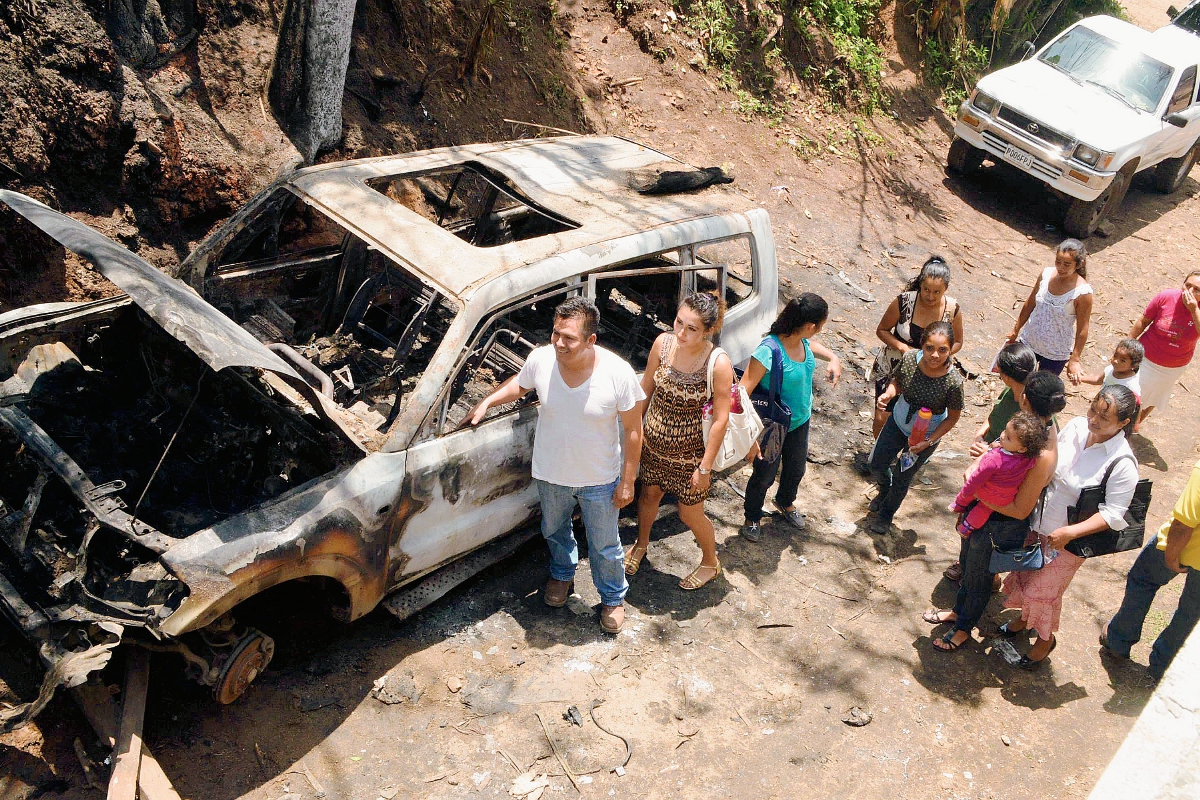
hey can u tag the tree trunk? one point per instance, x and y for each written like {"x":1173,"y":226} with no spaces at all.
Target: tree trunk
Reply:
{"x":309,"y":73}
{"x":140,"y":28}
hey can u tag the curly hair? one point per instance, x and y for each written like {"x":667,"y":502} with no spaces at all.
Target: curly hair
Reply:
{"x":1031,"y":432}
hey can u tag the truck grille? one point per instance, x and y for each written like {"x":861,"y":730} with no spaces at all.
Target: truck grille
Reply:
{"x":1035,"y":129}
{"x":1040,"y":168}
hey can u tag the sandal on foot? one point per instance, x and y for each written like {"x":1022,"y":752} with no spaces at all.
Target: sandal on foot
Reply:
{"x":933,"y":616}
{"x":953,"y":572}
{"x":693,"y":581}
{"x":633,"y":559}
{"x":947,"y":643}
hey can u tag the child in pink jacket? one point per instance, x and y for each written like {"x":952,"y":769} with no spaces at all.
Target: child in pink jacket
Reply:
{"x":998,"y":473}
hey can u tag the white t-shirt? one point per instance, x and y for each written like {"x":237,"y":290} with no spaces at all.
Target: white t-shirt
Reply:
{"x":578,"y":437}
{"x":1131,"y":383}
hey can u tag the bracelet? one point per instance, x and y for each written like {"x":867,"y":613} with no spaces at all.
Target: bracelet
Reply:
{"x":703,"y":471}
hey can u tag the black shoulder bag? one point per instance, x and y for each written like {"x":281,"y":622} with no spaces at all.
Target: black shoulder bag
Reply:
{"x":1110,"y":541}
{"x":774,"y":413}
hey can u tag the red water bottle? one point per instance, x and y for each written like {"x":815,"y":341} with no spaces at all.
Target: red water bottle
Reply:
{"x":920,"y":429}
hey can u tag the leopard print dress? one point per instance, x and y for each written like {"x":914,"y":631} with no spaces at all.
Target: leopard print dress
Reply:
{"x":672,"y":437}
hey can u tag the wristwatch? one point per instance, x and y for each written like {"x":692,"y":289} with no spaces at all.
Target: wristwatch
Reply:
{"x":703,"y":471}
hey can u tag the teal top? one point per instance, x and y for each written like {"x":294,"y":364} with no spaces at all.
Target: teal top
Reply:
{"x":797,"y":380}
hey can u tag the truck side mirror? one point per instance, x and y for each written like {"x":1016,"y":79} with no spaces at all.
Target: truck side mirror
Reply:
{"x":1178,"y":120}
{"x":1027,"y":50}
{"x":1172,"y":12}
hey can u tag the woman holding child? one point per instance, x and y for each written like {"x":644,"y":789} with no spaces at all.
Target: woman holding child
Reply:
{"x":675,"y":458}
{"x":1042,"y":396}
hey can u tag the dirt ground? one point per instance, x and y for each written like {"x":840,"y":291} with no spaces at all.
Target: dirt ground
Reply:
{"x":740,"y":689}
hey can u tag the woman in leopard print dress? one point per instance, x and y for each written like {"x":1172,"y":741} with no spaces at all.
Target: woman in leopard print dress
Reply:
{"x":675,"y":459}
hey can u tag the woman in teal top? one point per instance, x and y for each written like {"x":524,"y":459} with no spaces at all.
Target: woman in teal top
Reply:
{"x":800,"y":320}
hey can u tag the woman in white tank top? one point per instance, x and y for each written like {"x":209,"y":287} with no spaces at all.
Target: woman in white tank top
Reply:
{"x":1057,"y":314}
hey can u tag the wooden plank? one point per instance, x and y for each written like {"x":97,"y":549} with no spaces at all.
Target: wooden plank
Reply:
{"x":101,"y":712}
{"x":128,"y":752}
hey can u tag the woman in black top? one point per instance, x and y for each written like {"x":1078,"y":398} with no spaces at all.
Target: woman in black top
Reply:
{"x":922,"y":379}
{"x":924,"y":301}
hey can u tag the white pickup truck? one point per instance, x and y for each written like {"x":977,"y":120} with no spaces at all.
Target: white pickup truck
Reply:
{"x":1102,"y":101}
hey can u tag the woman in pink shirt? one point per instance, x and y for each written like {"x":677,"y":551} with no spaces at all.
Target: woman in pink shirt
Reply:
{"x":1168,"y":330}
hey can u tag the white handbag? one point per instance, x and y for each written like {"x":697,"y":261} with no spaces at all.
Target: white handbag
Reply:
{"x":744,"y":426}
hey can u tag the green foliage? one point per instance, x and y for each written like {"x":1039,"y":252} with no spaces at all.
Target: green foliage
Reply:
{"x":856,"y":77}
{"x":714,"y":23}
{"x":954,"y":69}
{"x":747,"y":47}
{"x":848,"y":17}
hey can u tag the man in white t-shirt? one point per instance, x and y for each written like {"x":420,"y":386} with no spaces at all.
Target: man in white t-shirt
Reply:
{"x":587,"y":395}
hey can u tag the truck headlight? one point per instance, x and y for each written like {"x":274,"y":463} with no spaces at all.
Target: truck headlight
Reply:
{"x":1097,"y":159}
{"x":984,"y":102}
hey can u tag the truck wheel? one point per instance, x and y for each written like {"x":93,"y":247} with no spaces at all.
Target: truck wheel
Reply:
{"x":964,"y":157}
{"x":1170,"y":174}
{"x":1083,"y":217}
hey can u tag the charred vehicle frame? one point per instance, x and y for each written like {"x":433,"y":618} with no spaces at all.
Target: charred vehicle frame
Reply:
{"x":289,"y":405}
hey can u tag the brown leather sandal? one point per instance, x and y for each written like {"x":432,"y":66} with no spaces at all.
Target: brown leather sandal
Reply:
{"x":693,"y":581}
{"x":633,"y":559}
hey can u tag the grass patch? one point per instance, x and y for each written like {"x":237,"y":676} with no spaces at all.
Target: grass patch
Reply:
{"x":855,"y":78}
{"x":954,"y":68}
{"x":750,"y":44}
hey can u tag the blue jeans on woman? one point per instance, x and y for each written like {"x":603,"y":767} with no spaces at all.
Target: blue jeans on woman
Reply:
{"x":794,"y":455}
{"x":885,"y":469}
{"x":605,"y":554}
{"x":1147,"y":575}
{"x":975,"y":556}
{"x":1050,"y":364}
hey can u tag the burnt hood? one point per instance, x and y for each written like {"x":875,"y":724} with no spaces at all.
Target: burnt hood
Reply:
{"x":216,"y":339}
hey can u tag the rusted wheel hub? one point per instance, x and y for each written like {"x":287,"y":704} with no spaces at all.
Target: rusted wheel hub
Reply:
{"x":249,"y":658}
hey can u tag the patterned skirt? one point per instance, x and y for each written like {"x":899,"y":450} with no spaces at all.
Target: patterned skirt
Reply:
{"x":1039,"y":593}
{"x":673,"y":437}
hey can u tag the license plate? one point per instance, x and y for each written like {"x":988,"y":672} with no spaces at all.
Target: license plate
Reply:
{"x":1019,"y":157}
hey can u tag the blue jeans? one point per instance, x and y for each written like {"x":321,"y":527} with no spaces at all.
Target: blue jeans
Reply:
{"x":1050,"y":364}
{"x":794,"y":456}
{"x":605,"y":554}
{"x":975,"y":557}
{"x":1147,"y":575}
{"x":885,"y":468}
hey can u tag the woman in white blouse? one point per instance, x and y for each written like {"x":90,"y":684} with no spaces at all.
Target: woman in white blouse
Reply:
{"x":1085,"y":449}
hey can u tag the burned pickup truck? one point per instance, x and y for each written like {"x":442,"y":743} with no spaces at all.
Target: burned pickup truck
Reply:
{"x":290,"y":406}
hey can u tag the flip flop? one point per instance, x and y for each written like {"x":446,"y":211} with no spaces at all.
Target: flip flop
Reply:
{"x":948,"y":642}
{"x":931,"y":616}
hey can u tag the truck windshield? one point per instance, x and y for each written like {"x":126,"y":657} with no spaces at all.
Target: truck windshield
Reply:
{"x":1128,"y":74}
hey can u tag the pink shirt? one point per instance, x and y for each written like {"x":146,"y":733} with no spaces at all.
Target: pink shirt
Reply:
{"x":1170,"y":338}
{"x":996,"y":478}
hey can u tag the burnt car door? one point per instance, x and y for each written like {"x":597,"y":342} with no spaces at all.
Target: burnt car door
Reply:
{"x":468,"y":486}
